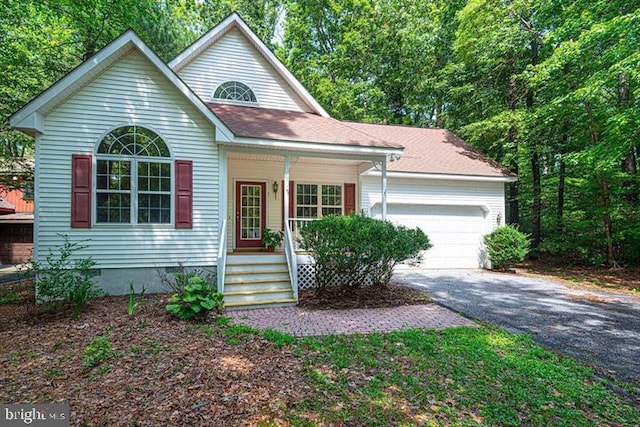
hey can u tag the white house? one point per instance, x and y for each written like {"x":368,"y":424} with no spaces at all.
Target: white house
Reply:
{"x":160,"y":165}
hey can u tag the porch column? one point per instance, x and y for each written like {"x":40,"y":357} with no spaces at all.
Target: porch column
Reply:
{"x":285,"y":191}
{"x":384,"y":188}
{"x":223,"y":183}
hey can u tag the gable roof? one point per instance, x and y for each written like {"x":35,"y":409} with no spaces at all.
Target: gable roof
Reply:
{"x":29,"y":119}
{"x":434,"y":151}
{"x":294,"y":126}
{"x":235,"y":21}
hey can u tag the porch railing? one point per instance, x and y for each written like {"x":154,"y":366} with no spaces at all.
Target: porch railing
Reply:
{"x":292,"y":262}
{"x":297,"y":224}
{"x":222,"y":255}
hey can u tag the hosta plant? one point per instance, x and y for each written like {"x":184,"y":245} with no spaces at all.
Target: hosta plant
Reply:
{"x":195,"y":301}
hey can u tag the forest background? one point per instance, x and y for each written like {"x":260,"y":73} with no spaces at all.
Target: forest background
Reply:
{"x":549,"y":88}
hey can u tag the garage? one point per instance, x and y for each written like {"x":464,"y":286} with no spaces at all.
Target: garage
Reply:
{"x":454,"y":231}
{"x":451,"y":191}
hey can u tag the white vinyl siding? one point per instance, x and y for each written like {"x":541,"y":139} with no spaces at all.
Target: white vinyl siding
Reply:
{"x":269,"y":171}
{"x":233,"y":57}
{"x":131,"y":91}
{"x":455,"y":214}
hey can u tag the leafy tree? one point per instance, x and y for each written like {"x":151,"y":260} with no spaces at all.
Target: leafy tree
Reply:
{"x":590,"y":81}
{"x":370,"y":60}
{"x":42,"y":40}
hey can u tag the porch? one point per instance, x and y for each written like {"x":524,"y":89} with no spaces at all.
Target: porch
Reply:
{"x":280,"y":191}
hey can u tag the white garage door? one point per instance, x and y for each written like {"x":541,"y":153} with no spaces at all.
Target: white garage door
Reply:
{"x":454,"y":231}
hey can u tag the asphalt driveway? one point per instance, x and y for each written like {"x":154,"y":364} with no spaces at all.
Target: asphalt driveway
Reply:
{"x":596,"y":327}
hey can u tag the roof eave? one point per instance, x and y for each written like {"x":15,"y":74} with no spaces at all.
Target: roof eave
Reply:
{"x":29,"y":119}
{"x":317,"y":148}
{"x":442,"y":176}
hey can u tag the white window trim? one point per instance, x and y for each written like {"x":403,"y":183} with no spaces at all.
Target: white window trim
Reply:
{"x":133,"y":191}
{"x":134,"y":182}
{"x":319,"y":205}
{"x":234,"y":101}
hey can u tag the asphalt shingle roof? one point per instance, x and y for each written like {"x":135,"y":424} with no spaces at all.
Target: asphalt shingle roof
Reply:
{"x":427,"y":151}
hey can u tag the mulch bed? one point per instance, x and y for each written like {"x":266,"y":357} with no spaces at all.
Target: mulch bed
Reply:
{"x":159,"y":371}
{"x":18,"y":290}
{"x":393,"y":295}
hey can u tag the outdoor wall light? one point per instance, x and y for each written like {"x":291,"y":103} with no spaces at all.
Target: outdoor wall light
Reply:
{"x":274,"y":187}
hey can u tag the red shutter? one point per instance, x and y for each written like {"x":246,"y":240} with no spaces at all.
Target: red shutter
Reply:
{"x":291,"y":201}
{"x":349,"y":198}
{"x":184,"y":193}
{"x":81,"y":190}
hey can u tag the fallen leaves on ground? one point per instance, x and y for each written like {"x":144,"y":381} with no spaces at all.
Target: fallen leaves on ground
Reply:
{"x":620,"y":278}
{"x":158,"y":371}
{"x":392,"y":295}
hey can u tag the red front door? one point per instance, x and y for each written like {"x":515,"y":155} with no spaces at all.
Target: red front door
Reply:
{"x":250,"y":213}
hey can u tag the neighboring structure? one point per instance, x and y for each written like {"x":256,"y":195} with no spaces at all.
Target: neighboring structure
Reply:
{"x":16,"y":224}
{"x":186,"y":163}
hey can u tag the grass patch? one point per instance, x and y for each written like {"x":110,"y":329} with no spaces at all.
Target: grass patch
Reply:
{"x":461,"y":376}
{"x":278,"y":338}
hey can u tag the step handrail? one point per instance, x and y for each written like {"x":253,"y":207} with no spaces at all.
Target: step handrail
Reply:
{"x":222,"y":255}
{"x":292,"y":262}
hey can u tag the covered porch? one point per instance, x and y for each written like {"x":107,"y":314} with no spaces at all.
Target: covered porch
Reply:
{"x":266,"y":189}
{"x":283,"y":167}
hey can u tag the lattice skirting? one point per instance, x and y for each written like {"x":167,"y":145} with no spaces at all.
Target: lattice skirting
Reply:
{"x":306,"y":277}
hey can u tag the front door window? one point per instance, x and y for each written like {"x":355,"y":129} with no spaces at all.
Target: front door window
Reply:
{"x":250,"y":214}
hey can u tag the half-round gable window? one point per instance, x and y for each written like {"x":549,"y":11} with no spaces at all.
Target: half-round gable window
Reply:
{"x":133,"y":178}
{"x":133,"y":141}
{"x":235,"y":91}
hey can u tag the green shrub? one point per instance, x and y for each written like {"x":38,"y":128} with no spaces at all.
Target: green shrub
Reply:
{"x":196,"y":300}
{"x":179,"y":279}
{"x":506,"y":246}
{"x":351,"y":250}
{"x":97,"y":352}
{"x":63,"y":277}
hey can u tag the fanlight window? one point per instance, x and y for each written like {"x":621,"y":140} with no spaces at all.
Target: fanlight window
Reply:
{"x":133,"y":141}
{"x":133,"y":178}
{"x":235,"y":91}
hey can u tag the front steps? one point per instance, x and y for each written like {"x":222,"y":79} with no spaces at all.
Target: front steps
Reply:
{"x":256,"y":281}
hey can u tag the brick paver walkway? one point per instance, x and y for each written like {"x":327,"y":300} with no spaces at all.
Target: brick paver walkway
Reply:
{"x":301,"y":322}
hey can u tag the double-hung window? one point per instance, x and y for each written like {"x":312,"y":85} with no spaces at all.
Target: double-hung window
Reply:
{"x":133,"y":178}
{"x":318,"y":200}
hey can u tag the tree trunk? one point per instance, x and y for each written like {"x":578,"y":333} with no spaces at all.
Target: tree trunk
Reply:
{"x":604,"y":193}
{"x":536,"y":215}
{"x":608,"y":224}
{"x":536,"y":232}
{"x":562,"y":175}
{"x":514,"y":206}
{"x":630,"y":163}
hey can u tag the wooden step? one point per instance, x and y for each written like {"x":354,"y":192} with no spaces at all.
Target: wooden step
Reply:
{"x":262,"y":303}
{"x":254,"y":292}
{"x":257,"y":287}
{"x":257,"y":280}
{"x":255,"y":259}
{"x":256,"y":297}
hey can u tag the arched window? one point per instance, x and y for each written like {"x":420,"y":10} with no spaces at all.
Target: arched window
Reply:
{"x":133,"y":178}
{"x":235,"y":91}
